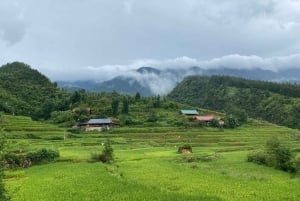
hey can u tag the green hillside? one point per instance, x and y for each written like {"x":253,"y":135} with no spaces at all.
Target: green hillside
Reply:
{"x":274,"y":102}
{"x":25,"y":91}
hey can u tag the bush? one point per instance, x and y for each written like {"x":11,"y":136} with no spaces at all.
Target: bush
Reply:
{"x":74,"y":130}
{"x":106,"y":156}
{"x":275,"y":155}
{"x":295,"y":165}
{"x":185,"y":148}
{"x":2,"y":189}
{"x":259,"y":157}
{"x":42,"y":155}
{"x":231,"y":122}
{"x":13,"y":160}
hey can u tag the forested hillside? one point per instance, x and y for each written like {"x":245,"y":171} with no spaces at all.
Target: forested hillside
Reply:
{"x":25,"y":91}
{"x":274,"y":102}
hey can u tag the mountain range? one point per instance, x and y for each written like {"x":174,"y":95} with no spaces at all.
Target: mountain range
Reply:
{"x":152,"y":81}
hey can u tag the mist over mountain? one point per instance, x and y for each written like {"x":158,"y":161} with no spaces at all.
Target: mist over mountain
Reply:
{"x":151,"y":81}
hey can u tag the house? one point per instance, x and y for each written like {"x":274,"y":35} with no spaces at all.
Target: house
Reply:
{"x":208,"y":119}
{"x":189,"y":112}
{"x":205,"y":118}
{"x":96,"y":124}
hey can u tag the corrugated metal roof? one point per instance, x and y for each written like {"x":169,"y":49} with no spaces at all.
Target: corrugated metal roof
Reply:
{"x":100,"y":121}
{"x":191,"y":112}
{"x":205,"y":118}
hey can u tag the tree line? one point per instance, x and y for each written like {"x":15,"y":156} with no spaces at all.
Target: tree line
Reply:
{"x":274,"y":102}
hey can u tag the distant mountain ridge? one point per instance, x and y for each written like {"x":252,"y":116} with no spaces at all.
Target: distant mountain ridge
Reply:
{"x":152,"y":81}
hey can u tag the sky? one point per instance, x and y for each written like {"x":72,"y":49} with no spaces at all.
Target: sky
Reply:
{"x":100,"y":39}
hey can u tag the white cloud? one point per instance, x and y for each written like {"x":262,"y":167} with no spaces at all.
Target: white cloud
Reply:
{"x":106,"y":72}
{"x":78,"y":39}
{"x":12,"y":25}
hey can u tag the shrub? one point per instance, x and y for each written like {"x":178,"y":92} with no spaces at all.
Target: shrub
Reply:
{"x":42,"y":155}
{"x":185,"y":148}
{"x":106,"y":156}
{"x":13,"y":160}
{"x":231,"y":122}
{"x":295,"y":165}
{"x":278,"y":156}
{"x":258,"y":157}
{"x":215,"y":123}
{"x":74,"y":130}
{"x":2,"y":189}
{"x":275,"y":155}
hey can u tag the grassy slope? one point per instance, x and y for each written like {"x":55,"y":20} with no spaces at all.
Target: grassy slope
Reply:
{"x":148,"y":169}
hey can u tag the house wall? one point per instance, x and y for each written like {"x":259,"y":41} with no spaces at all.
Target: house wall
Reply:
{"x":96,"y":128}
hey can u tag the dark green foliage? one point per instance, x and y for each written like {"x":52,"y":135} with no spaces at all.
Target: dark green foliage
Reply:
{"x":25,"y":91}
{"x":231,"y":122}
{"x":107,"y":155}
{"x":126,"y":120}
{"x":115,"y":106}
{"x":3,"y":196}
{"x":64,"y":118}
{"x":125,"y":109}
{"x":42,"y":155}
{"x":137,"y":96}
{"x":152,"y":116}
{"x":156,"y":101}
{"x":258,"y":157}
{"x":279,"y":156}
{"x":215,"y":123}
{"x":75,"y":97}
{"x":274,"y":102}
{"x":275,"y":155}
{"x":13,"y":160}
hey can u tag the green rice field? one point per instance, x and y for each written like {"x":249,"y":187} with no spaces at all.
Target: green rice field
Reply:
{"x":147,"y":165}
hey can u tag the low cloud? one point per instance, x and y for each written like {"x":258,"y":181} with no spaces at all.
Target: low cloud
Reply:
{"x":184,"y":63}
{"x":174,"y":70}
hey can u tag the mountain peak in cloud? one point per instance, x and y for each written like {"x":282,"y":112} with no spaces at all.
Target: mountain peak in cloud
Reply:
{"x":145,"y":70}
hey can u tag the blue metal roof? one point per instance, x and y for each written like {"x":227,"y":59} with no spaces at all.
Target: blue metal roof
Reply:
{"x":191,"y":112}
{"x":100,"y":121}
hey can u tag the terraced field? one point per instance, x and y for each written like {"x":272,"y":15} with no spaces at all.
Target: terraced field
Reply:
{"x":147,"y":166}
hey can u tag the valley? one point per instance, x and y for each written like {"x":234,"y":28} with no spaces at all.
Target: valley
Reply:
{"x":45,"y":156}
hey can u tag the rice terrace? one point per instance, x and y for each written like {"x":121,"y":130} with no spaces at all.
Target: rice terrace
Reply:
{"x":138,"y":100}
{"x":147,"y":165}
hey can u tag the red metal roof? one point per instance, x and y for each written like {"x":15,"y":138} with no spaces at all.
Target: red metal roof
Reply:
{"x":204,"y":118}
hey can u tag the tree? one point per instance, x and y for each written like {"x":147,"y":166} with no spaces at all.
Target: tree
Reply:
{"x":137,"y":96}
{"x":125,"y":108}
{"x":156,"y":101}
{"x":152,"y":116}
{"x":115,"y":106}
{"x":75,"y":98}
{"x":231,"y":122}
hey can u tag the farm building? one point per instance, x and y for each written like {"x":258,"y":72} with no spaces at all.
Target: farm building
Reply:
{"x":205,"y":118}
{"x":189,"y":112}
{"x":96,"y":124}
{"x":208,"y":119}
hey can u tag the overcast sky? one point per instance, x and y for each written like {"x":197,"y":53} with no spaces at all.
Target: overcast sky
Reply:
{"x":98,"y":39}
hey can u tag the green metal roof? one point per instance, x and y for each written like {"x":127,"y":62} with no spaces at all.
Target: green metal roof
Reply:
{"x":191,"y":112}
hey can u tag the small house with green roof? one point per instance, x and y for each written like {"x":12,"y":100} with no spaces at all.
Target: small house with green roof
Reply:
{"x":189,"y":112}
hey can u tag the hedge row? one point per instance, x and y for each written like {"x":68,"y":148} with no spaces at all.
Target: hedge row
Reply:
{"x":13,"y":160}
